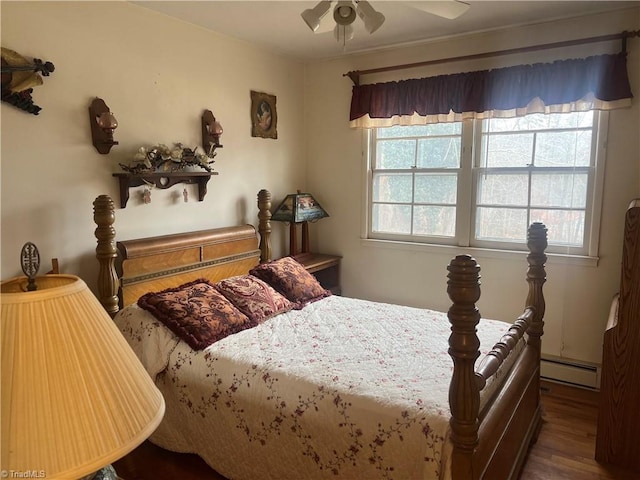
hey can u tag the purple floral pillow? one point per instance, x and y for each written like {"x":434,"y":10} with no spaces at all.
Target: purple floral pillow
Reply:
{"x":253,"y":297}
{"x":196,"y":312}
{"x":292,"y":280}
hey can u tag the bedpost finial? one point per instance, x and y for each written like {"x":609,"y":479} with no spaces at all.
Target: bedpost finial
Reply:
{"x":537,"y":237}
{"x":104,"y":216}
{"x":264,"y":224}
{"x":104,"y":210}
{"x":537,"y":243}
{"x":264,"y":196}
{"x":463,"y":285}
{"x":463,"y":288}
{"x":536,"y":277}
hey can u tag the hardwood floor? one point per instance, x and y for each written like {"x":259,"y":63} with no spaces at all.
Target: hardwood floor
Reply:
{"x":564,"y":450}
{"x":566,"y":446}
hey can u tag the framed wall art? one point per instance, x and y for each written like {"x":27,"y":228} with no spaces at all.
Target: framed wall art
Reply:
{"x":264,"y":117}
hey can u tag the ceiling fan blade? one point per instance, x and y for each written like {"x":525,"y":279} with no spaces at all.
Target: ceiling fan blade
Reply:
{"x":450,"y":9}
{"x":326,"y":25}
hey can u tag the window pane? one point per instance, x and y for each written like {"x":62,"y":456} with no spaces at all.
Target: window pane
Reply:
{"x":501,"y":224}
{"x":507,"y":150}
{"x":537,"y":167}
{"x":391,"y":219}
{"x":559,"y":190}
{"x":394,"y":187}
{"x":454,"y":128}
{"x":563,"y":149}
{"x":572,"y":120}
{"x":501,"y":125}
{"x":503,"y":189}
{"x":395,"y":132}
{"x":436,"y":188}
{"x":438,"y":221}
{"x":439,"y":152}
{"x":539,"y":121}
{"x":565,"y":227}
{"x":396,"y":154}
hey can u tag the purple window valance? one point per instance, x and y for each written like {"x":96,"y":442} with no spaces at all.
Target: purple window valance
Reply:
{"x":597,"y":82}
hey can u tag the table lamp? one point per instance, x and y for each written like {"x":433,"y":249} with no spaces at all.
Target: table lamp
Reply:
{"x":299,"y":208}
{"x":74,"y":395}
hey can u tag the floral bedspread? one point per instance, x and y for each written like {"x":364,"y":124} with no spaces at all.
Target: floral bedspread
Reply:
{"x":343,"y":388}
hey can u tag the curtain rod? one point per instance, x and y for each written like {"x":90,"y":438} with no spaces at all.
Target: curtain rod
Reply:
{"x":355,"y":75}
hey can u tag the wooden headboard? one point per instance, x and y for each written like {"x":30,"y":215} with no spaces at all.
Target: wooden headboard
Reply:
{"x":153,"y":264}
{"x":131,"y":268}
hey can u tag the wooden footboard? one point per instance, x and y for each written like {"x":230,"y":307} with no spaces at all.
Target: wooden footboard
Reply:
{"x":492,"y":444}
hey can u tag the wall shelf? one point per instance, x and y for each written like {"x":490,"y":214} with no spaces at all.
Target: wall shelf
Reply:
{"x":162,"y":180}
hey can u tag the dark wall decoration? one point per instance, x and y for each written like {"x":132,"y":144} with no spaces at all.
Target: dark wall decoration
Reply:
{"x":19,"y":76}
{"x":264,"y":117}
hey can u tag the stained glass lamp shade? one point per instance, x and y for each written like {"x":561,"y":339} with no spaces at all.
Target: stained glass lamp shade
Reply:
{"x":299,"y":208}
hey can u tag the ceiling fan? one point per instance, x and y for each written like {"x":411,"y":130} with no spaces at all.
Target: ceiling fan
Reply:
{"x":344,"y":14}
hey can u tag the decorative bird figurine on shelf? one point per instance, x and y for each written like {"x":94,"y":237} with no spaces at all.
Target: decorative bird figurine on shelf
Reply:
{"x":162,"y":158}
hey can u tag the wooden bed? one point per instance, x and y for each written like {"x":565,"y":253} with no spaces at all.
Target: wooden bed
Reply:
{"x":488,"y":443}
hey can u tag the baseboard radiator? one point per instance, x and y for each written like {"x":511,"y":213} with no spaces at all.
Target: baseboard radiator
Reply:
{"x":571,"y":372}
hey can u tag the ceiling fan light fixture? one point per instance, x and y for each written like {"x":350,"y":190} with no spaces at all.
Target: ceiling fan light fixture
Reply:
{"x":343,"y":33}
{"x":344,"y":13}
{"x":372,"y":20}
{"x":312,"y":16}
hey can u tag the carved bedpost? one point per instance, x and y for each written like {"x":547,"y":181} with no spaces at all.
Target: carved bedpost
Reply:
{"x":464,"y":348}
{"x":106,"y":253}
{"x":536,"y":276}
{"x":264,"y":226}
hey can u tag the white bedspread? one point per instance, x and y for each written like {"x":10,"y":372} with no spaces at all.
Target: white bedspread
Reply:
{"x":343,"y":388}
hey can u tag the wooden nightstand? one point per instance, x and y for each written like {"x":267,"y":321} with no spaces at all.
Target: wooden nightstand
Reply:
{"x":326,"y":268}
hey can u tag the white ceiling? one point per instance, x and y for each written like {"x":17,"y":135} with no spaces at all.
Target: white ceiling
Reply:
{"x":277,"y":25}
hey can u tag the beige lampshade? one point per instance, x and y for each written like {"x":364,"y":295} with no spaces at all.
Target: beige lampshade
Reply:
{"x":74,"y":395}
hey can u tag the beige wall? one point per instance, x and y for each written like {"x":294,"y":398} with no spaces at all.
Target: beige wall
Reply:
{"x":157,"y":75}
{"x":578,"y":297}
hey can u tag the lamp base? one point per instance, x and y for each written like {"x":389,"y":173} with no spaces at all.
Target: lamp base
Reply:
{"x":105,"y":473}
{"x":293,"y":238}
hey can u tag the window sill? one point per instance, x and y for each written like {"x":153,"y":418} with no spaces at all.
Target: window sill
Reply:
{"x":479,"y":253}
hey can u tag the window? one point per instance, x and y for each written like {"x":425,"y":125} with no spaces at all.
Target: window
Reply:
{"x":480,"y":183}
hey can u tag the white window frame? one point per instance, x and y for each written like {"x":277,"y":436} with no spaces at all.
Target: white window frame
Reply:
{"x":466,"y":195}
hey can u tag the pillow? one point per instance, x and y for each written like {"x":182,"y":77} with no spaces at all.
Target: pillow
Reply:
{"x":196,"y":312}
{"x":291,"y":279}
{"x":253,"y":297}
